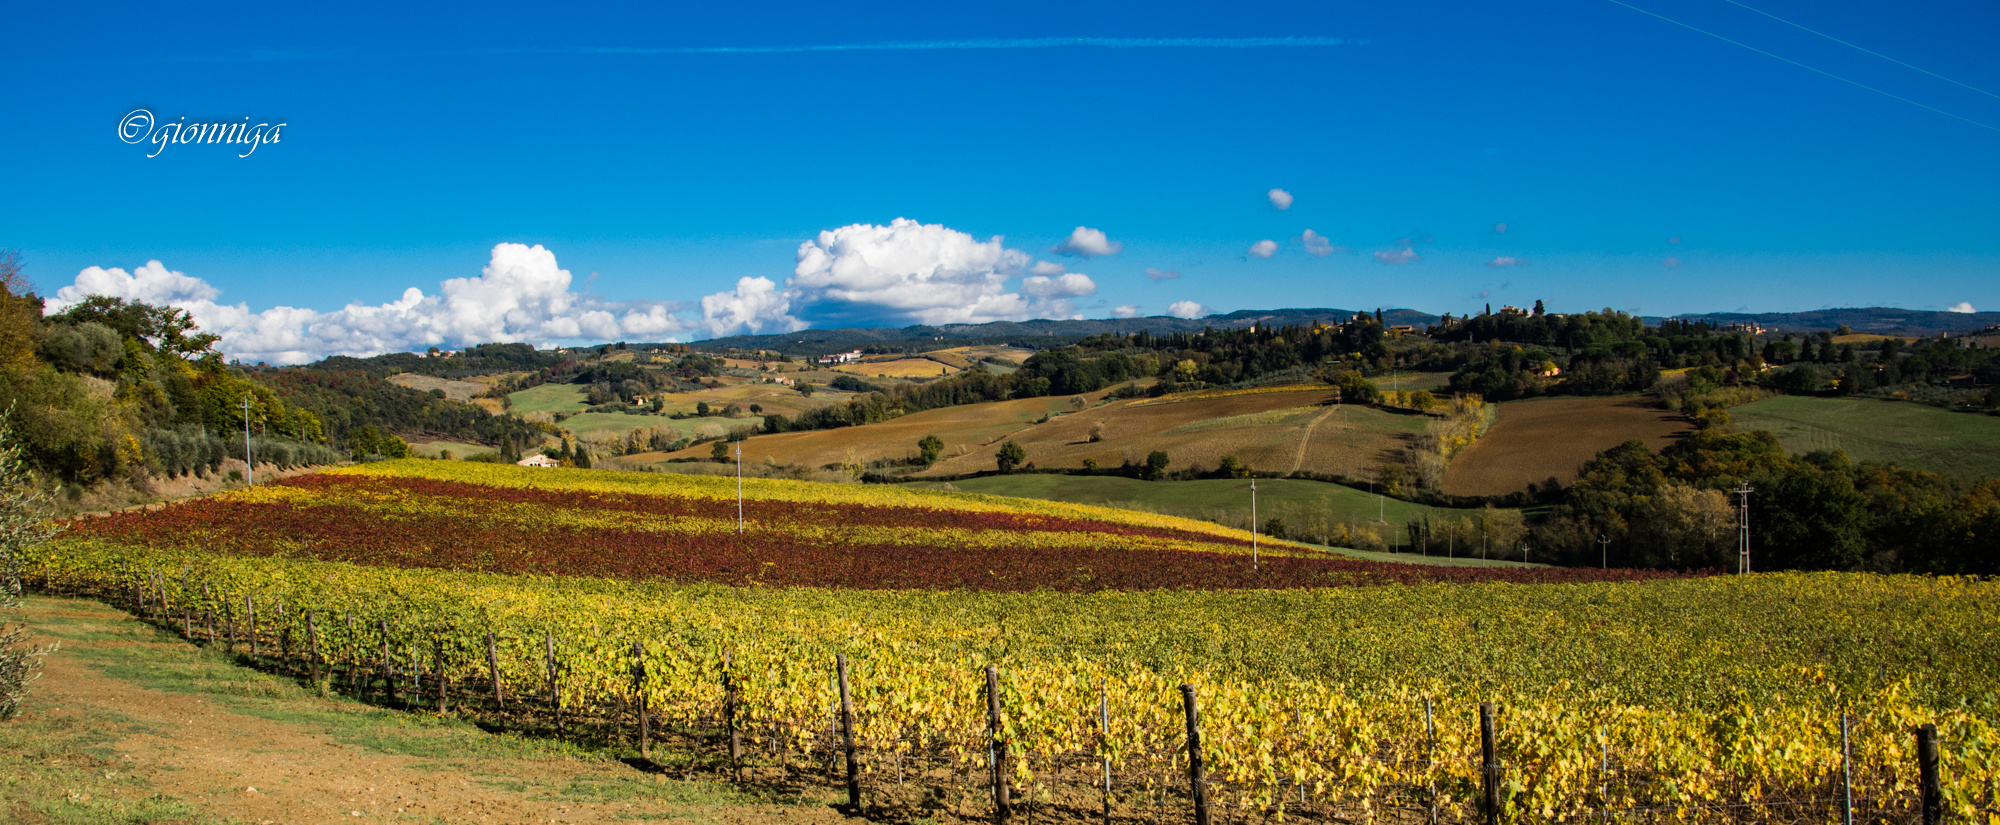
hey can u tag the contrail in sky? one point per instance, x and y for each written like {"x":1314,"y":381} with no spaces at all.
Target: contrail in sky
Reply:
{"x":806,"y":48}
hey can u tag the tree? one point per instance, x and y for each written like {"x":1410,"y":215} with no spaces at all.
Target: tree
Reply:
{"x":160,"y":329}
{"x":1232,"y":467}
{"x":24,"y":523}
{"x":930,"y":448}
{"x":1156,"y":464}
{"x":719,"y":452}
{"x":701,"y":408}
{"x":1010,"y":456}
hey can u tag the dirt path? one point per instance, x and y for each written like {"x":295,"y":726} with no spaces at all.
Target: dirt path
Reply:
{"x":1299,"y":459}
{"x":237,"y":745}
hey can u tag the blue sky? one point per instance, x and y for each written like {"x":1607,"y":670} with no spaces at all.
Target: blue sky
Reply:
{"x":657,"y":167}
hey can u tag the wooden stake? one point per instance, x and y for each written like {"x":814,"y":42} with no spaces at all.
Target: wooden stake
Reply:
{"x":996,"y":748}
{"x":1489,"y":767}
{"x":312,"y":649}
{"x":639,"y":690}
{"x":437,"y":659}
{"x":555,"y":689}
{"x":250,"y":615}
{"x":847,"y":737}
{"x":729,"y":716}
{"x":493,"y":666}
{"x":1197,"y":773}
{"x":388,"y":665}
{"x":1932,"y":801}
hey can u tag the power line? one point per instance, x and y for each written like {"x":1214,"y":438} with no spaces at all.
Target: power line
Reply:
{"x":1861,"y":49}
{"x":1804,"y":66}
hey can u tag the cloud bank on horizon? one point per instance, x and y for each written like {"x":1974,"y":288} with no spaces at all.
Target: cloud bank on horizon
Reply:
{"x":897,"y":274}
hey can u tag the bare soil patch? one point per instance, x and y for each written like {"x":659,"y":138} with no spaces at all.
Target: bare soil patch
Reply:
{"x":1532,"y":441}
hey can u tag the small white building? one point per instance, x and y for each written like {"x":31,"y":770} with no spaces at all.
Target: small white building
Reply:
{"x":840,"y":357}
{"x":537,"y":460}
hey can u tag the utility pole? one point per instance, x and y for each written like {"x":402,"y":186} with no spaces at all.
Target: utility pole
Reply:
{"x":249,"y":460}
{"x":739,"y":488}
{"x":1743,"y":492}
{"x":1603,"y":552}
{"x":1482,"y":544}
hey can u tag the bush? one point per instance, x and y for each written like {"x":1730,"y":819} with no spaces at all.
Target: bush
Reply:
{"x":1010,"y":456}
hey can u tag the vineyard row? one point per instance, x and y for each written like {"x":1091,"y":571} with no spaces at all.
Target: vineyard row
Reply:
{"x":900,"y":731}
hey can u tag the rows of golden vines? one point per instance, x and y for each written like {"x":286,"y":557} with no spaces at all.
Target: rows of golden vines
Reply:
{"x":1690,"y":700}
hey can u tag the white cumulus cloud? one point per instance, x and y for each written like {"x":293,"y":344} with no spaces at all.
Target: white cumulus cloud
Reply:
{"x":1280,"y":199}
{"x":521,"y":295}
{"x":1506,"y":260}
{"x":1085,"y":242}
{"x":1186,"y":309}
{"x":1399,"y":255}
{"x":905,"y":272}
{"x":1264,"y":248}
{"x":1161,"y":274}
{"x":1318,"y":246}
{"x":1671,"y":262}
{"x":1125,"y":311}
{"x":1961,"y":306}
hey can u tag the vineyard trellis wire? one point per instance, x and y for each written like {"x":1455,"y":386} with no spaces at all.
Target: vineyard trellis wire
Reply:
{"x":1087,"y":737}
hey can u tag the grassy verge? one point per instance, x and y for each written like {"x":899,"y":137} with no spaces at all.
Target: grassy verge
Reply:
{"x":59,"y":761}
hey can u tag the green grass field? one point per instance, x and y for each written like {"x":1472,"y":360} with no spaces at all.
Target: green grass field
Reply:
{"x":548,"y":398}
{"x":1898,"y":432}
{"x":1225,"y":501}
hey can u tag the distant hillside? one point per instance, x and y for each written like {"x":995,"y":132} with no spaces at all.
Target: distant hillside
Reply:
{"x":1879,"y":320}
{"x":1040,"y":334}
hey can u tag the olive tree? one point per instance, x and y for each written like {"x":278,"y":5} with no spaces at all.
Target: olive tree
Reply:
{"x":24,"y":523}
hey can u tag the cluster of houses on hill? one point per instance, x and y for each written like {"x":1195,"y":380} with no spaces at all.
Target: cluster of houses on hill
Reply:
{"x":839,"y":357}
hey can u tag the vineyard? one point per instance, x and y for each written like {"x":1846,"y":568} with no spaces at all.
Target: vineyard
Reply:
{"x":1681,"y":699}
{"x":685,"y":528}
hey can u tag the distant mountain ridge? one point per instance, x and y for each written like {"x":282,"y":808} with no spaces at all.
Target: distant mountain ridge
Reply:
{"x":1918,"y":323}
{"x":1040,"y":333}
{"x":1045,"y":333}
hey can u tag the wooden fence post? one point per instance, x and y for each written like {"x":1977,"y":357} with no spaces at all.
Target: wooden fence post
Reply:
{"x":250,"y":616}
{"x":208,"y":614}
{"x":1489,"y":770}
{"x":1197,"y":774}
{"x":1932,"y":801}
{"x":996,"y":747}
{"x":493,"y":666}
{"x":729,"y":715}
{"x":847,"y":737}
{"x":639,"y":690}
{"x":353,"y":660}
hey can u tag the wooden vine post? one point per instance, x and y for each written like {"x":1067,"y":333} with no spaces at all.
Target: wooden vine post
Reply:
{"x":388,"y":665}
{"x":437,"y":660}
{"x":729,"y":716}
{"x":1197,"y":772}
{"x":555,"y":689}
{"x":312,"y":650}
{"x":250,"y":618}
{"x":493,"y":666}
{"x":1489,"y":772}
{"x":847,"y":737}
{"x":996,"y":748}
{"x":639,"y":691}
{"x":1932,"y":802}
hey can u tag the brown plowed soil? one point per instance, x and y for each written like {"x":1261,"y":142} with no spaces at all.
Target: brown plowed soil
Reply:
{"x":1532,"y":441}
